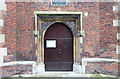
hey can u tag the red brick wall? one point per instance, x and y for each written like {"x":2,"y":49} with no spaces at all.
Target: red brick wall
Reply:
{"x":16,"y":69}
{"x":100,"y":35}
{"x":102,"y":68}
{"x":20,"y":26}
{"x":108,"y":33}
{"x":10,"y":30}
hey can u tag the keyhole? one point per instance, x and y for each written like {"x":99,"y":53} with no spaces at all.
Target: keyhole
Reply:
{"x":60,"y":52}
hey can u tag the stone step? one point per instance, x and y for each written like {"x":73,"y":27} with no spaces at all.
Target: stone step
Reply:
{"x":65,"y":75}
{"x":56,"y":74}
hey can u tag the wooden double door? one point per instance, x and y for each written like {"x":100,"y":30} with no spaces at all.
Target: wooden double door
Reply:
{"x":58,"y":48}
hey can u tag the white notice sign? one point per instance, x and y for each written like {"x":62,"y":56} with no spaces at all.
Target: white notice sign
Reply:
{"x":50,"y":43}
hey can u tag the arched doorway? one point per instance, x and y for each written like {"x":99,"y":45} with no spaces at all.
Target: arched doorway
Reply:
{"x":58,"y":48}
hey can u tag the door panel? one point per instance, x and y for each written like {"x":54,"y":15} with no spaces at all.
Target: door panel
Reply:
{"x":59,"y":58}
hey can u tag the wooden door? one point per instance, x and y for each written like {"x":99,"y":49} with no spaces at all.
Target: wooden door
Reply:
{"x":58,"y":46}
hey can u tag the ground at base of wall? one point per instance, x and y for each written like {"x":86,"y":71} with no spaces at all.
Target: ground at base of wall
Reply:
{"x":63,"y":74}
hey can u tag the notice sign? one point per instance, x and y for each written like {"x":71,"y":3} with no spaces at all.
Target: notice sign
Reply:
{"x":50,"y":43}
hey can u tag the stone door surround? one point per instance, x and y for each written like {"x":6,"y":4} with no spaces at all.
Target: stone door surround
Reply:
{"x":44,"y":20}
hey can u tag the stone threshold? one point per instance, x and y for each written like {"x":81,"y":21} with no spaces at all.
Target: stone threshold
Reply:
{"x":62,"y":74}
{"x":54,"y":74}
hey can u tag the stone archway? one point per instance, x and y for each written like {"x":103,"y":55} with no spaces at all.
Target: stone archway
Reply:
{"x":42,"y":24}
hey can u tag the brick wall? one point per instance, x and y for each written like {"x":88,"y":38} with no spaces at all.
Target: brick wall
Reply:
{"x":3,"y":50}
{"x":16,"y":69}
{"x":22,"y":23}
{"x":10,"y":31}
{"x":109,"y":68}
{"x":106,"y":35}
{"x":100,"y":35}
